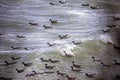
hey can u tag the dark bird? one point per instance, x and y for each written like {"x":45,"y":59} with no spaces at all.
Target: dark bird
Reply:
{"x":106,"y":31}
{"x":53,"y":21}
{"x":76,"y":65}
{"x":76,"y":43}
{"x":61,"y":2}
{"x":85,"y":4}
{"x":63,"y":36}
{"x":111,"y":26}
{"x":95,"y":59}
{"x":90,"y":75}
{"x":93,"y":7}
{"x":37,"y":73}
{"x":32,"y":23}
{"x":19,"y":36}
{"x":68,"y":55}
{"x":47,"y":27}
{"x":9,"y":63}
{"x":105,"y":65}
{"x":27,"y":64}
{"x":44,"y":60}
{"x":116,"y":62}
{"x":15,"y":58}
{"x":13,"y":47}
{"x":116,"y":47}
{"x":20,"y":70}
{"x":51,"y":44}
{"x":49,"y":72}
{"x":75,"y":70}
{"x":1,"y":34}
{"x":71,"y":78}
{"x":29,"y":75}
{"x":49,"y":67}
{"x":3,"y":78}
{"x":54,"y":61}
{"x":26,"y":49}
{"x":60,"y":73}
{"x":52,"y":4}
{"x":116,"y":18}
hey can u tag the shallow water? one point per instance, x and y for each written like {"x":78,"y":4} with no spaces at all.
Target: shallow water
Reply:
{"x":80,"y":23}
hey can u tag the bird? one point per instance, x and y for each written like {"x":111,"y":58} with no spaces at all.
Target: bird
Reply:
{"x":19,"y":36}
{"x":90,"y":75}
{"x":71,"y":78}
{"x":63,"y":36}
{"x":111,"y":26}
{"x":51,"y":44}
{"x":105,"y":65}
{"x":9,"y":63}
{"x":116,"y":18}
{"x":15,"y":58}
{"x":49,"y":67}
{"x":54,"y":61}
{"x":76,"y":65}
{"x":44,"y":60}
{"x":32,"y":23}
{"x":76,"y":43}
{"x":36,"y":73}
{"x":93,"y":7}
{"x":60,"y":73}
{"x":116,"y":62}
{"x":20,"y":70}
{"x":95,"y":59}
{"x":53,"y":21}
{"x":13,"y":47}
{"x":29,"y":75}
{"x":116,"y":47}
{"x":52,"y":4}
{"x":75,"y":70}
{"x":27,"y":64}
{"x":49,"y":72}
{"x":1,"y":34}
{"x":61,"y":2}
{"x":47,"y":27}
{"x":68,"y":55}
{"x":106,"y":31}
{"x":85,"y":4}
{"x":26,"y":49}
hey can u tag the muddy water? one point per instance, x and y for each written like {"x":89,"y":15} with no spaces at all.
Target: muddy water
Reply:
{"x":80,"y":23}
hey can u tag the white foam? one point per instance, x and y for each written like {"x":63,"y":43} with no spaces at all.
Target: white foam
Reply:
{"x":16,"y":51}
{"x":65,"y":47}
{"x":59,"y":42}
{"x":76,"y":12}
{"x":106,"y":38}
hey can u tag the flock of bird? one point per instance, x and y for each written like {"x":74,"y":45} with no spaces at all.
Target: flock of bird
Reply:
{"x":74,"y":67}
